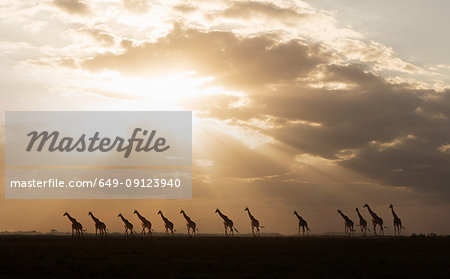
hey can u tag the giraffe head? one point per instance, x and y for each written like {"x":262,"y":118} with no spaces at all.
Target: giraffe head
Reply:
{"x":246,"y":209}
{"x":120,"y":215}
{"x":217,"y":210}
{"x":90,"y":213}
{"x":366,"y":205}
{"x":159,"y":212}
{"x":135,"y":211}
{"x":339,"y":211}
{"x":65,"y":213}
{"x":295,"y":212}
{"x":181,"y":211}
{"x":391,"y":206}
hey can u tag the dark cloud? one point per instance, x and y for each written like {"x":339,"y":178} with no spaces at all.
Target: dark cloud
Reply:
{"x":392,"y":131}
{"x":251,"y":61}
{"x":72,"y":6}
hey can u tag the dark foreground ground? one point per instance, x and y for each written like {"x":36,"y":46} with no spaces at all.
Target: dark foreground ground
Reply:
{"x":217,"y":257}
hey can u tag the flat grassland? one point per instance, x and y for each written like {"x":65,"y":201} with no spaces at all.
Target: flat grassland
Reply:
{"x":220,"y":257}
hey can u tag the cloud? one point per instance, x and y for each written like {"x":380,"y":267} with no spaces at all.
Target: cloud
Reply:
{"x":390,"y":133}
{"x":247,"y":61}
{"x":245,"y":10}
{"x":185,"y":8}
{"x":100,"y":33}
{"x":77,"y":7}
{"x":137,"y":6}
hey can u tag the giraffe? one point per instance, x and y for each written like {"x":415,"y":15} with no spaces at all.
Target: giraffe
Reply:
{"x":348,"y":223}
{"x":302,"y":224}
{"x":99,"y":226}
{"x":362,"y":224}
{"x":254,"y":223}
{"x":376,"y":221}
{"x":189,"y":223}
{"x":128,"y":226}
{"x":168,"y":225}
{"x":146,"y":224}
{"x":397,"y":222}
{"x":227,"y":223}
{"x":76,"y":226}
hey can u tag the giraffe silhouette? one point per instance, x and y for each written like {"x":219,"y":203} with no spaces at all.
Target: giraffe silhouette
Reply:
{"x":254,"y":223}
{"x":77,"y":228}
{"x":99,"y":226}
{"x":227,"y":223}
{"x":128,"y":227}
{"x":348,"y":223}
{"x":189,"y":224}
{"x":167,"y":224}
{"x":302,"y":224}
{"x":376,"y":221}
{"x":397,"y":222}
{"x":146,"y":224}
{"x":362,"y":224}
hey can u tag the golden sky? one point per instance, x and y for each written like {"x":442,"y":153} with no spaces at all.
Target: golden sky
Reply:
{"x":294,"y":109}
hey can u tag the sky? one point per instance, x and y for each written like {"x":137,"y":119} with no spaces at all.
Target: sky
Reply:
{"x":311,"y":106}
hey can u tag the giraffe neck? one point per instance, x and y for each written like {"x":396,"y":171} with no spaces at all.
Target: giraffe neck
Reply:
{"x":71,"y":219}
{"x":140,"y":216}
{"x":250,"y":215}
{"x":343,"y":216}
{"x":123,"y":219}
{"x":298,"y":216}
{"x":393,"y":213}
{"x":223,"y":216}
{"x":185,"y":216}
{"x":359,"y":215}
{"x":371,"y":212}
{"x":94,"y":218}
{"x":164,"y":218}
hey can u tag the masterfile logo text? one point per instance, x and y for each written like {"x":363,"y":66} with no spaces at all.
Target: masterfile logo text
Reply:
{"x":107,"y":154}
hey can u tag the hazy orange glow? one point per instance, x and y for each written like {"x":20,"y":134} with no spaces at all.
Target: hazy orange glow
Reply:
{"x":291,"y":110}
